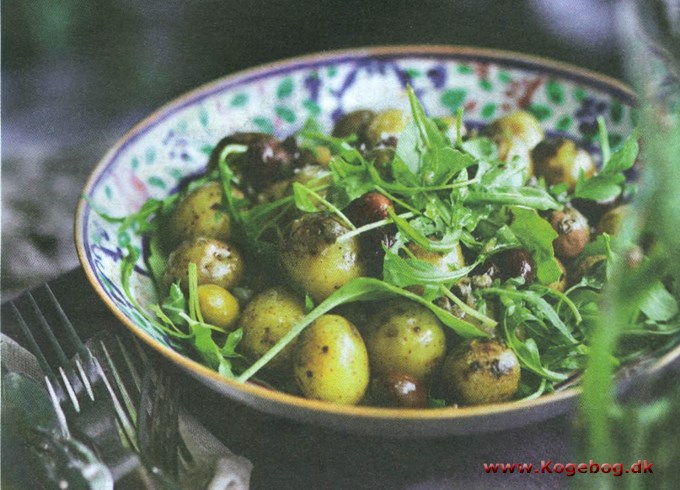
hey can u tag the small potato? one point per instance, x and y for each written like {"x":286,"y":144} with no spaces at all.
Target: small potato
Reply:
{"x":331,"y":362}
{"x":406,"y":337}
{"x":386,"y":127}
{"x":315,"y":260}
{"x":480,"y":371}
{"x":515,"y":134}
{"x":218,"y":306}
{"x":354,"y":122}
{"x":573,"y":230}
{"x":369,"y":208}
{"x":266,"y":319}
{"x":560,"y":161}
{"x":216,"y":263}
{"x":612,"y":222}
{"x":199,"y":214}
{"x":266,"y":160}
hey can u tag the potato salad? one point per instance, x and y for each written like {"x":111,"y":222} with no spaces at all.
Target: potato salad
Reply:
{"x":399,"y":261}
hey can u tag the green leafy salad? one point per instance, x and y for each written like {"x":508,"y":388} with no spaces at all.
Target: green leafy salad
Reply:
{"x":401,"y":261}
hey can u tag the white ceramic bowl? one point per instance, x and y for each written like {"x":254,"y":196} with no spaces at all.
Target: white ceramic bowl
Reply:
{"x":175,"y":141}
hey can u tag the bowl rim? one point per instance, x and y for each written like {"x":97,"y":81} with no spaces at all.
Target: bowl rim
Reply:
{"x":514,"y":59}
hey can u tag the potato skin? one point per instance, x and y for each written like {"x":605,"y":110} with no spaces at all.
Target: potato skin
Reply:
{"x":480,"y":371}
{"x":560,"y":161}
{"x":406,"y":337}
{"x":266,"y":319}
{"x":516,"y":133}
{"x":612,"y":221}
{"x":216,"y":262}
{"x":198,"y":214}
{"x":315,"y":260}
{"x":218,"y":306}
{"x":573,"y":230}
{"x":386,"y":127}
{"x":331,"y":362}
{"x":354,"y":122}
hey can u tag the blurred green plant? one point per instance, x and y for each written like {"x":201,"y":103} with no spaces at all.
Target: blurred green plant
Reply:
{"x":648,"y":249}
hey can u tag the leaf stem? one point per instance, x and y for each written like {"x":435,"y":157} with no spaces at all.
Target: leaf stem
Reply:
{"x":371,"y":226}
{"x":468,"y":310}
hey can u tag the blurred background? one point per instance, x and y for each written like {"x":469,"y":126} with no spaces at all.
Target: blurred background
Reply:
{"x":77,"y":74}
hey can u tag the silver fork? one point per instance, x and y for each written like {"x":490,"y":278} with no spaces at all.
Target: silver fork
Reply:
{"x":84,"y":401}
{"x":150,"y":396}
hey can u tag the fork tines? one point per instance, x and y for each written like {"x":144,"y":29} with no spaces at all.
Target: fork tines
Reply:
{"x":49,"y":323}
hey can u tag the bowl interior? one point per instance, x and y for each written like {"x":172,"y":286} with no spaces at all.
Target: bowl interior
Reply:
{"x":175,"y":142}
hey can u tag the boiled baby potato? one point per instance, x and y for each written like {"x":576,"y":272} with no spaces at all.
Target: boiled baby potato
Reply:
{"x":406,"y":337}
{"x":386,"y":127}
{"x":612,"y":221}
{"x":216,"y":263}
{"x":266,"y":319}
{"x":331,"y":362}
{"x":218,"y":306}
{"x":480,"y":371}
{"x":199,"y":214}
{"x":315,"y":260}
{"x":560,"y":161}
{"x":516,"y":134}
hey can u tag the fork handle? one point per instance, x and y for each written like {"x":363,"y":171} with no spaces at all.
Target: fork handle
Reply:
{"x":97,"y":428}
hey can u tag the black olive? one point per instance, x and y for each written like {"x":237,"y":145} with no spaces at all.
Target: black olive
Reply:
{"x":516,"y":263}
{"x":399,"y":389}
{"x":369,"y":208}
{"x":266,"y":160}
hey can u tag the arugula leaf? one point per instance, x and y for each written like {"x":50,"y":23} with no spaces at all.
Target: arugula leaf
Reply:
{"x":230,"y":345}
{"x":528,"y":354}
{"x":174,"y":305}
{"x":537,"y":235}
{"x":351,"y":179}
{"x":411,"y":272}
{"x":607,"y":184}
{"x":659,"y":305}
{"x":537,"y":305}
{"x":530,"y":197}
{"x":302,"y":195}
{"x":426,"y":152}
